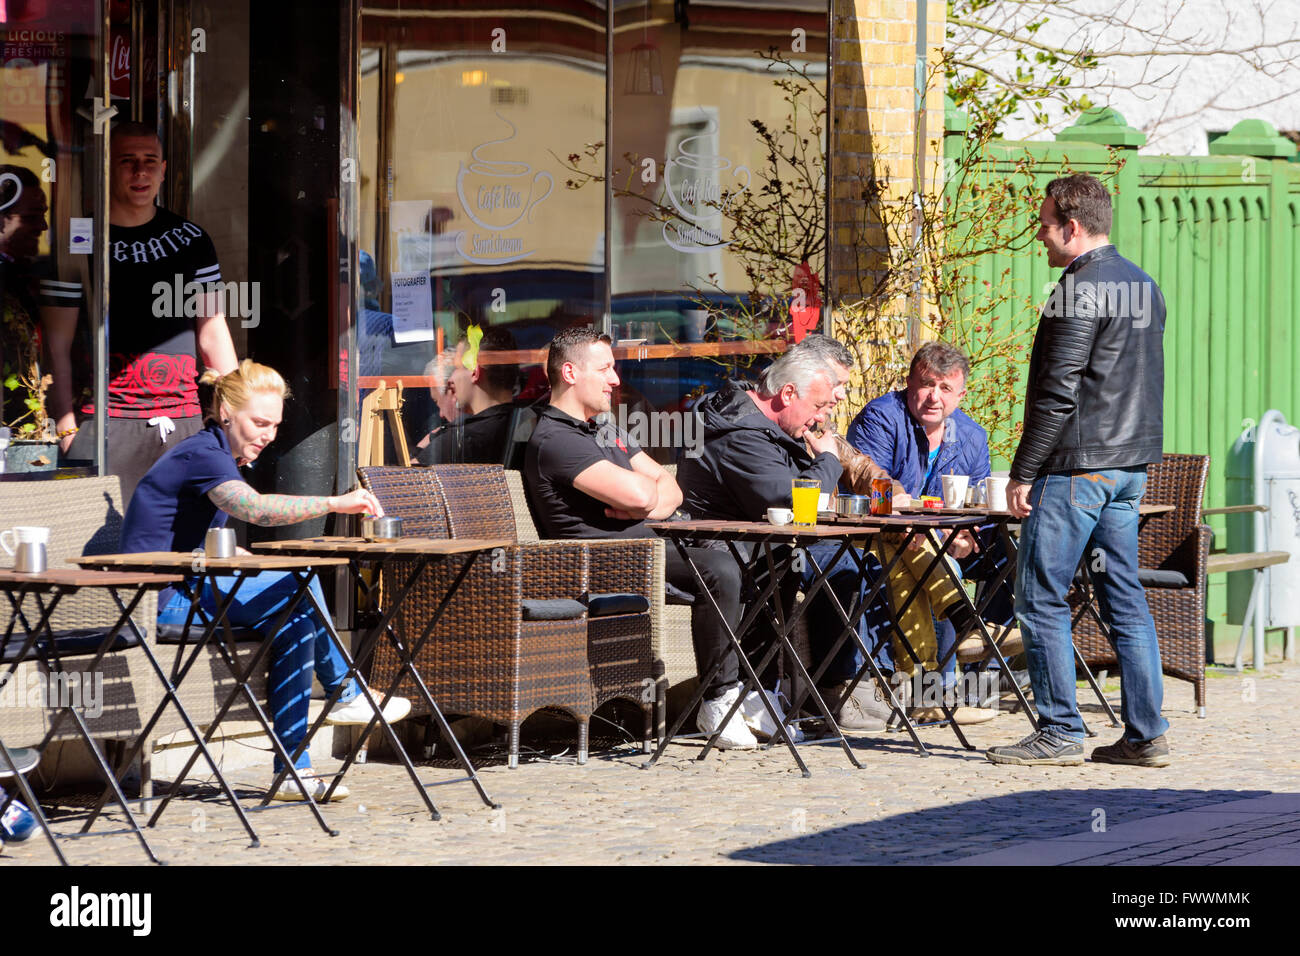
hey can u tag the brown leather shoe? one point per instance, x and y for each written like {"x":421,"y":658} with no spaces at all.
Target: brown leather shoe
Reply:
{"x":972,"y":648}
{"x":974,"y":715}
{"x":1152,"y":753}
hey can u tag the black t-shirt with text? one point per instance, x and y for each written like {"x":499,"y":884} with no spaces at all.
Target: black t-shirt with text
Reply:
{"x":153,"y":366}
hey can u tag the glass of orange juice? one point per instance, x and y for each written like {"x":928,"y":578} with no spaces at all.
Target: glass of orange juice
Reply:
{"x":804,"y":493}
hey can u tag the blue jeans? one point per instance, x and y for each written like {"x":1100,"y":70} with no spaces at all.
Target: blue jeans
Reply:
{"x":1094,"y":513}
{"x":302,"y":644}
{"x":824,"y":622}
{"x":982,"y":565}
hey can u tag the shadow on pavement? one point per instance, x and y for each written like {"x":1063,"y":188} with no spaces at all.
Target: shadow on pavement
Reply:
{"x":948,"y":833}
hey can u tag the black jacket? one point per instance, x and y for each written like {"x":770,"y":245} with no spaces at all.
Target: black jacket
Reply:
{"x":746,"y":463}
{"x":1095,"y":396}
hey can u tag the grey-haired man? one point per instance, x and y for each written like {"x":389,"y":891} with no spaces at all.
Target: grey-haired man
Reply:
{"x":757,"y":439}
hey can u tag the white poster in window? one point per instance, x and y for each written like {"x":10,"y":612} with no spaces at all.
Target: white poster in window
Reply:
{"x":412,"y":307}
{"x":410,"y":224}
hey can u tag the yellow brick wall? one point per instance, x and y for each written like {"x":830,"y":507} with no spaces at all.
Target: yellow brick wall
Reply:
{"x":874,"y":121}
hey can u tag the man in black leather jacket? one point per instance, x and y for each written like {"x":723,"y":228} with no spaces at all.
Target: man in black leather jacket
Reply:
{"x":1093,"y":422}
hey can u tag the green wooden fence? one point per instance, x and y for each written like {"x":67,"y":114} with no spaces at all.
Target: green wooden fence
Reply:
{"x":1220,"y":234}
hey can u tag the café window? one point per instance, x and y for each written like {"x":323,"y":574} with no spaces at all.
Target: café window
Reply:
{"x":527,"y":169}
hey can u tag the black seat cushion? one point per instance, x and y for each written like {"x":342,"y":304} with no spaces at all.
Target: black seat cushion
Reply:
{"x":175,"y":634}
{"x":553,"y":609}
{"x":611,"y":603}
{"x":70,"y":643}
{"x":1162,"y":578}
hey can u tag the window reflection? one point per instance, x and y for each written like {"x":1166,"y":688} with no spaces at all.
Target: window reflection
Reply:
{"x":48,"y":182}
{"x":479,"y":387}
{"x":719,"y":198}
{"x":483,"y":158}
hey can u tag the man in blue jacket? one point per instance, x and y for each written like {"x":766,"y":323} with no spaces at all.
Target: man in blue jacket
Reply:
{"x":919,"y":434}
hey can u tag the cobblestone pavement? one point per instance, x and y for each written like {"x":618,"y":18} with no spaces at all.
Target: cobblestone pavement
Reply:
{"x":1238,"y":770}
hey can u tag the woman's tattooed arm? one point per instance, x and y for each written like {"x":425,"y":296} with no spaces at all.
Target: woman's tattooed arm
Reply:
{"x":240,"y":500}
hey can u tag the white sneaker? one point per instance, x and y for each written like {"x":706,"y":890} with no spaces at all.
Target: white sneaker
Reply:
{"x":358,"y":712}
{"x":735,"y":736}
{"x":758,"y":720}
{"x":289,"y":792}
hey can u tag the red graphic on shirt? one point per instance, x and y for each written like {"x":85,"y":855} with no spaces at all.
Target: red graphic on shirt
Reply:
{"x":621,"y":446}
{"x":150,"y":385}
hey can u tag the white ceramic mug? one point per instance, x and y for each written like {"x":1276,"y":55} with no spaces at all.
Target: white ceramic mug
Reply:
{"x":995,"y":493}
{"x":780,"y":516}
{"x":954,"y":490}
{"x":24,"y":534}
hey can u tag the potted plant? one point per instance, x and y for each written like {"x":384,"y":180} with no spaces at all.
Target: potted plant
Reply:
{"x":32,"y":445}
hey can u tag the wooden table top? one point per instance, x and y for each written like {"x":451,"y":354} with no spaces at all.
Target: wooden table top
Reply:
{"x":747,"y":530}
{"x":1144,"y":510}
{"x":73,"y":578}
{"x":931,"y":518}
{"x":825,"y":528}
{"x":832,"y":525}
{"x":360,"y":547}
{"x":1246,"y":561}
{"x":185,"y":562}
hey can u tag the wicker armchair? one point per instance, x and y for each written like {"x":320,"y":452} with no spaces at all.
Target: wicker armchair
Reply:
{"x":625,"y":650}
{"x":479,"y":504}
{"x":490,"y":656}
{"x":670,"y":628}
{"x":1173,"y":552}
{"x":84,"y":517}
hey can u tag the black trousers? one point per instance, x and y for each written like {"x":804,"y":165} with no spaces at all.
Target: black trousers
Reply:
{"x":722,"y":578}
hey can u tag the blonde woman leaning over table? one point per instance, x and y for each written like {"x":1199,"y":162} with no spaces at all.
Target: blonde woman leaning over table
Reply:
{"x":196,"y":486}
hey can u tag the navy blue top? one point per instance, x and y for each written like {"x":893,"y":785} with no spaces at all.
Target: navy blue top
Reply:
{"x":896,"y":441}
{"x":170,"y":510}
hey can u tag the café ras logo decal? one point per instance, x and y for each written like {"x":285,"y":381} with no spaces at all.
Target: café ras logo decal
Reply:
{"x":499,"y":195}
{"x":700,"y":187}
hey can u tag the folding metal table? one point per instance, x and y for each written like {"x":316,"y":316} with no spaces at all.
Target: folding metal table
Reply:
{"x":425,"y":552}
{"x":927,"y":525}
{"x":764,"y":537}
{"x":200,"y":571}
{"x":41,"y":643}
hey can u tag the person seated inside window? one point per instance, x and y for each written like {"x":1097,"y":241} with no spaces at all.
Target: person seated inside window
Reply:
{"x":196,"y":486}
{"x":483,"y":430}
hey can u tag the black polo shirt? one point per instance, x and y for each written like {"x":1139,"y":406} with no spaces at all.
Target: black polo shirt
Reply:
{"x":563,"y":447}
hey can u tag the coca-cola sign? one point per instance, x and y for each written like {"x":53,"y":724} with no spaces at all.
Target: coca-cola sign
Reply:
{"x":119,"y":67}
{"x":119,"y":64}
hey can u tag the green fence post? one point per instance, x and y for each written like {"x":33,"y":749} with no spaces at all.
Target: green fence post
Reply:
{"x":1254,"y":140}
{"x":1106,"y":127}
